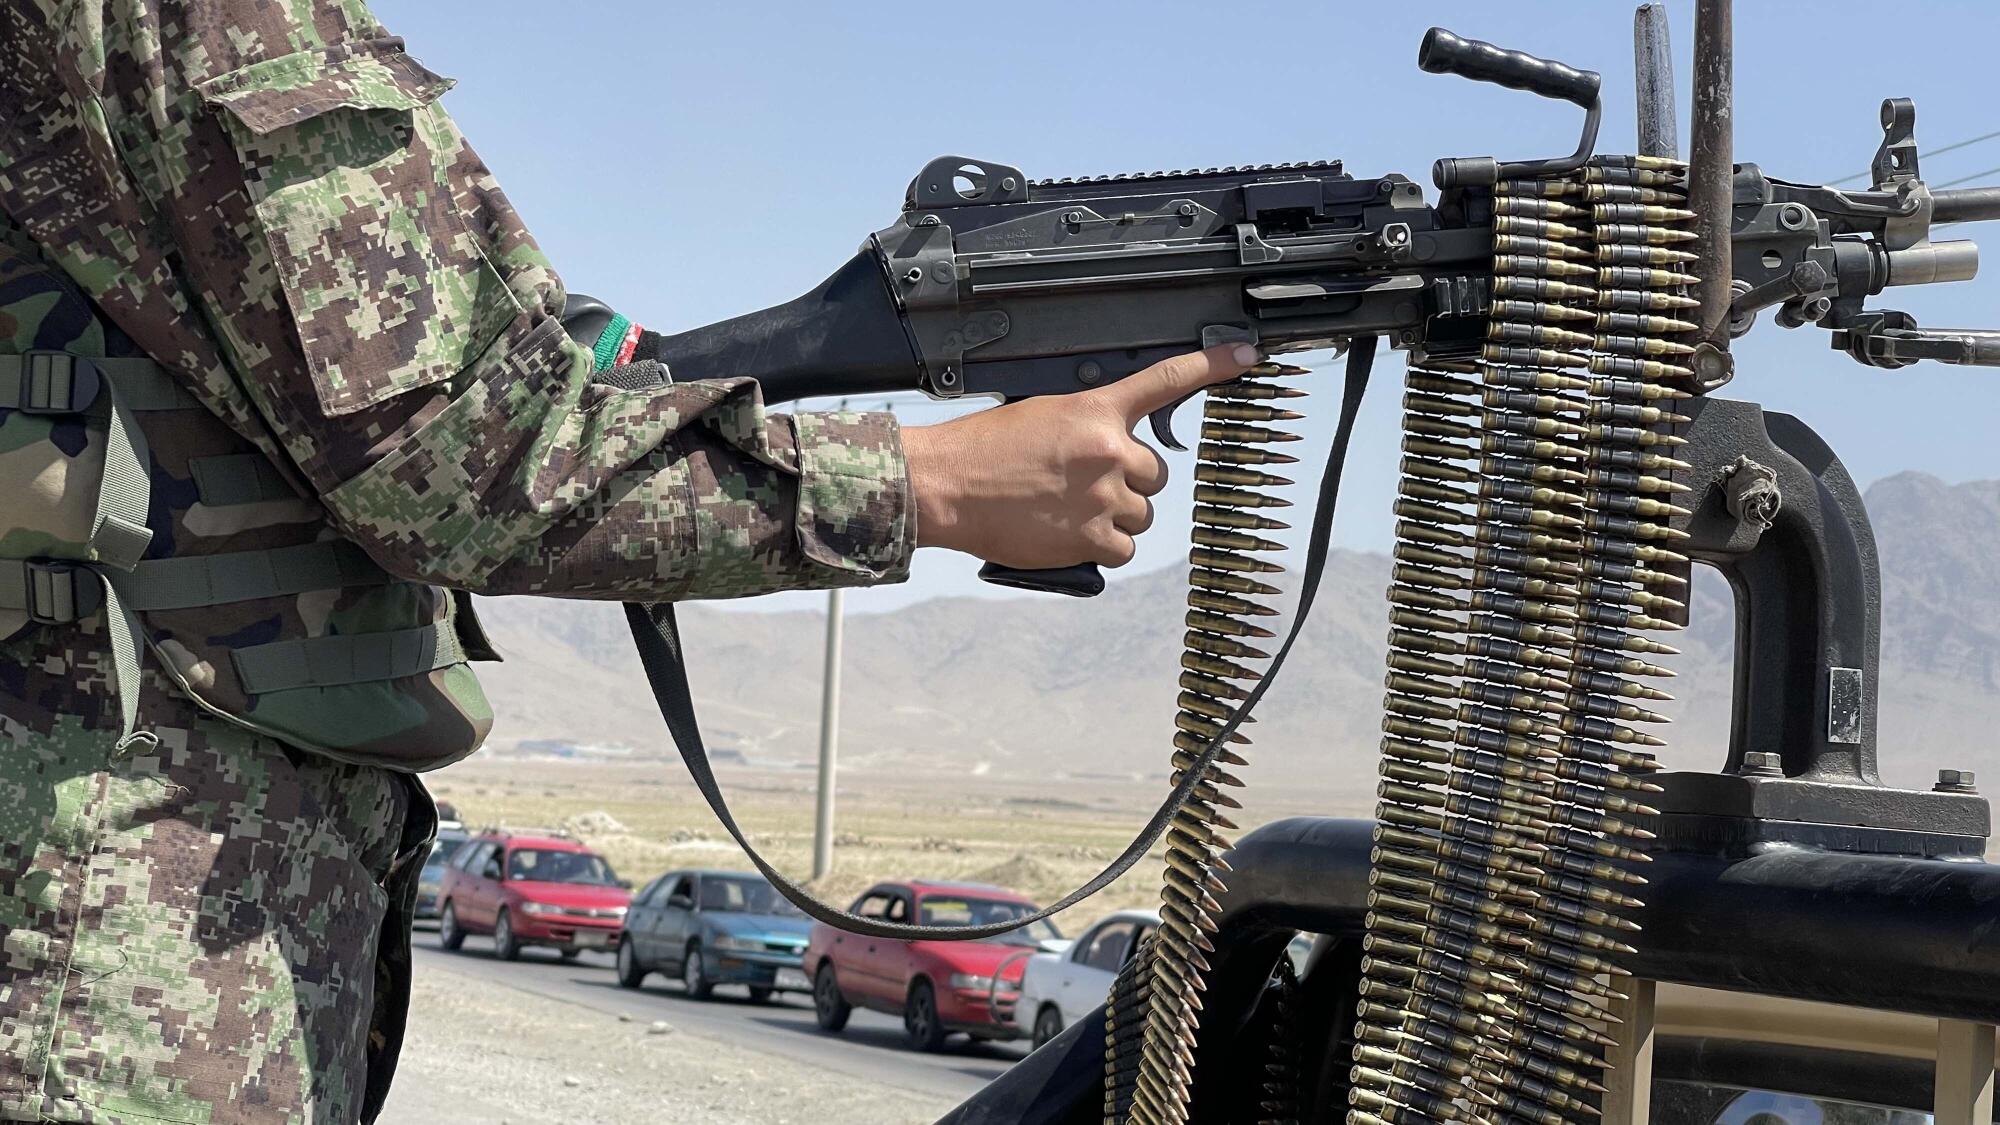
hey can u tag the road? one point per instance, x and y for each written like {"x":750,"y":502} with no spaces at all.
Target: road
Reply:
{"x":871,"y":1048}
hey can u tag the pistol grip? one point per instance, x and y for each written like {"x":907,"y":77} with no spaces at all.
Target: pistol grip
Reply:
{"x":1084,"y":580}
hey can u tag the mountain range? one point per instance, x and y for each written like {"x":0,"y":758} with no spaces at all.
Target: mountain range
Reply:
{"x":1041,"y":687}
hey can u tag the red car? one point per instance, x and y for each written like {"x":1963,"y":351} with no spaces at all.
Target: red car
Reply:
{"x":531,"y":889}
{"x":938,"y":987}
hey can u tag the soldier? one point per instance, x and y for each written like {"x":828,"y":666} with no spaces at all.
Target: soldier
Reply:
{"x":282,"y":381}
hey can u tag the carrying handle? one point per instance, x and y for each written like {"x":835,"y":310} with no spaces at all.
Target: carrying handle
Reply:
{"x":1445,"y":53}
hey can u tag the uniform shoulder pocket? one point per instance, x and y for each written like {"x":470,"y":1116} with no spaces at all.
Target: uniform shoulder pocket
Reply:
{"x":349,"y":166}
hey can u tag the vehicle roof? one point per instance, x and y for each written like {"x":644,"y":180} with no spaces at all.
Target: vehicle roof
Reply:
{"x":1127,"y":916}
{"x":924,"y":887}
{"x":529,"y":840}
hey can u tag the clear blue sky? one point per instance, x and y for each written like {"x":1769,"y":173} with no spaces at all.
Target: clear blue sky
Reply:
{"x":690,"y":162}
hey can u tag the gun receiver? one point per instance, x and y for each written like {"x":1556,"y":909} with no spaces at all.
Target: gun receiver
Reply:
{"x":1011,"y":288}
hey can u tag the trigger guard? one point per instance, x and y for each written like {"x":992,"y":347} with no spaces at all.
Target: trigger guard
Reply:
{"x":1162,"y":421}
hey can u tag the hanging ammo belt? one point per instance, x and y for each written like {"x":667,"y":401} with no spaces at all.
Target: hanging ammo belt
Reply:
{"x":1530,"y":565}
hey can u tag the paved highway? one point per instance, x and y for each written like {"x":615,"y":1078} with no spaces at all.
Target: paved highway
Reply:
{"x":872,"y":1046}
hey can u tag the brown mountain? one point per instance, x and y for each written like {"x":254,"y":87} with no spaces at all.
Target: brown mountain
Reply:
{"x":1062,"y":687}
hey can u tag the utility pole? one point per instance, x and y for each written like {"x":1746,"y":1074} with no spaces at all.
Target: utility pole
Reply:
{"x":829,"y":735}
{"x":829,"y":739}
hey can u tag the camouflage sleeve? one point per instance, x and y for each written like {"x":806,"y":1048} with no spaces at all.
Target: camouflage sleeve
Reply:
{"x":396,"y":327}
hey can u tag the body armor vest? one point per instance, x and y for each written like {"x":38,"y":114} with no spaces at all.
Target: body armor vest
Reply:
{"x":124,"y":500}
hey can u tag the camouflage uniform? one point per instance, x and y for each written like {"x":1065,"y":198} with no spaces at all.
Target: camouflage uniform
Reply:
{"x":204,"y":923}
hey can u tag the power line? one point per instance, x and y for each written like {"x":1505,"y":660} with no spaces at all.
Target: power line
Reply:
{"x":1967,"y":179}
{"x":1927,"y":154}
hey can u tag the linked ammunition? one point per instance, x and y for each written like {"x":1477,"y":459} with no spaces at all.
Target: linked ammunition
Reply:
{"x":1223,"y":410}
{"x":1224,"y":455}
{"x":1232,"y":518}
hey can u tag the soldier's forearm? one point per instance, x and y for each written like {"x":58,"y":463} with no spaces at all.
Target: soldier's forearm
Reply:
{"x":682,"y":491}
{"x":700,"y":519}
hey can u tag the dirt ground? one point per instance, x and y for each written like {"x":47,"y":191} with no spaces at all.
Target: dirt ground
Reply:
{"x":646,"y":818}
{"x":552,"y":1061}
{"x":562,"y":1062}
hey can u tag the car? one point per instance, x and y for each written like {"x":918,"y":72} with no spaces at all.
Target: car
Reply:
{"x":431,"y":880}
{"x":1058,"y":988}
{"x":531,"y":887}
{"x":713,"y":928}
{"x":938,"y":987}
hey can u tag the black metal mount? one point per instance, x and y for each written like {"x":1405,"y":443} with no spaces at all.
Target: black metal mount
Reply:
{"x":1873,"y":931}
{"x":1776,"y":513}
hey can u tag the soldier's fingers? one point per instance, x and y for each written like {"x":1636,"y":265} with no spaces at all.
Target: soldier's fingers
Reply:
{"x":1110,"y":546}
{"x":1177,"y":377}
{"x":1133,"y":515}
{"x":1145,"y":469}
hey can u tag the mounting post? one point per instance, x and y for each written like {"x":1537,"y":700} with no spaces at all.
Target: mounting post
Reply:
{"x":1629,"y":1080}
{"x":1964,"y":1073}
{"x":1653,"y":69}
{"x":1711,"y":188}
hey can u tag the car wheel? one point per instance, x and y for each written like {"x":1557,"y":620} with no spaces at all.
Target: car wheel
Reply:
{"x":1048,"y":1024}
{"x":759,"y":993}
{"x":631,"y":974}
{"x":506,"y":946}
{"x":450,"y":936}
{"x":830,"y":1008}
{"x":568,"y":952}
{"x":694,"y":975}
{"x":921,"y":1022}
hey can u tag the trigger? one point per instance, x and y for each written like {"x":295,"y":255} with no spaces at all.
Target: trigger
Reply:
{"x":1162,"y":421}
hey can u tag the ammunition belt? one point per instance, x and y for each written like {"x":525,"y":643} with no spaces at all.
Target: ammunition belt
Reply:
{"x":1536,"y":489}
{"x":1227,"y":597}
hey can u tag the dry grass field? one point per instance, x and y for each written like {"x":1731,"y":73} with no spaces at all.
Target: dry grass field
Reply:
{"x":1037,"y":838}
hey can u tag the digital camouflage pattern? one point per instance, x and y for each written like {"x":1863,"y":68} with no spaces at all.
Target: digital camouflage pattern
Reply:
{"x":204,"y":928}
{"x":47,"y":492}
{"x":267,"y":199}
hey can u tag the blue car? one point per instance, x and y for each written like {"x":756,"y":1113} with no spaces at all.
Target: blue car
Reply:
{"x":713,"y":928}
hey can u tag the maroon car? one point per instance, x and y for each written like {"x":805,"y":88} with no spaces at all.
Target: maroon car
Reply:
{"x":938,"y":987}
{"x":531,"y":889}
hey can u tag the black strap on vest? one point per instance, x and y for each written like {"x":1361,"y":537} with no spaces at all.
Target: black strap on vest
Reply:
{"x":659,"y":642}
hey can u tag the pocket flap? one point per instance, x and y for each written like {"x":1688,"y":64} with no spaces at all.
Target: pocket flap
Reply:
{"x":280,"y":92}
{"x":358,"y":181}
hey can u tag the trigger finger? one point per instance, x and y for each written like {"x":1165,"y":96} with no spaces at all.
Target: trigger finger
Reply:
{"x":1145,"y":470}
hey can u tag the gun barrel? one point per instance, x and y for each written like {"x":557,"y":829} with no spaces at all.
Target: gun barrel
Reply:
{"x":1933,"y":263}
{"x":1965,"y":205}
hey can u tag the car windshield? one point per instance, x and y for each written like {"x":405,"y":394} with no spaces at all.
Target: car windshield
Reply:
{"x":1699,"y":1103}
{"x":959,"y":910}
{"x":442,"y":850}
{"x":548,"y":866}
{"x":725,"y":894}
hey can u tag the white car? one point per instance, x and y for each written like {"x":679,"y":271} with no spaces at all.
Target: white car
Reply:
{"x":1059,"y":988}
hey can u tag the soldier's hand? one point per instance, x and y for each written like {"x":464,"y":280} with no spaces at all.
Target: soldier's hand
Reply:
{"x":1058,"y":480}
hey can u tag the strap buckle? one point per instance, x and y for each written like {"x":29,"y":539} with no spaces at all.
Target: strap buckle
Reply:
{"x":59,"y":592}
{"x":52,"y":382}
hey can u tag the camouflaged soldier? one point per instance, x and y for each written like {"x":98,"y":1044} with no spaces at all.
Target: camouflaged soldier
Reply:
{"x":282,"y":379}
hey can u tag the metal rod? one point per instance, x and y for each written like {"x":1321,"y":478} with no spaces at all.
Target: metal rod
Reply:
{"x":829,"y":739}
{"x":1711,"y":178}
{"x":1964,"y":1073}
{"x":1653,"y":68}
{"x":1629,"y":1079}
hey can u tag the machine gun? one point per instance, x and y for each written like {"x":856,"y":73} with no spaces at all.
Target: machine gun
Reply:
{"x":1489,"y":945}
{"x":992,"y":284}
